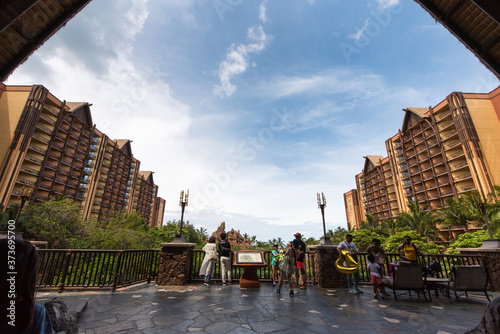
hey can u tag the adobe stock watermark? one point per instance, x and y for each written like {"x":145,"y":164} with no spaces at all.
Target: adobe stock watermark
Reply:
{"x":249,"y":148}
{"x":223,"y":6}
{"x":373,"y":26}
{"x":11,"y":272}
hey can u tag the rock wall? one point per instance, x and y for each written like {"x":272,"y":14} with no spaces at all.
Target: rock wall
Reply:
{"x":326,"y":274}
{"x":234,"y":237}
{"x":174,"y":267}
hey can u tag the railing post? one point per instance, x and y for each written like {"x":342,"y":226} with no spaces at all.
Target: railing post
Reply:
{"x":65,"y":270}
{"x":117,"y":271}
{"x":153,"y":252}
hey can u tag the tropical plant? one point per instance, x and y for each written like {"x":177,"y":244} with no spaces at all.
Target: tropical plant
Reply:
{"x":56,"y":221}
{"x":421,"y":220}
{"x":338,"y":235}
{"x":371,"y":224}
{"x":363,"y":238}
{"x":391,"y":244}
{"x":467,"y":240}
{"x":389,"y":226}
{"x":474,"y":203}
{"x":202,"y":233}
{"x":453,"y":214}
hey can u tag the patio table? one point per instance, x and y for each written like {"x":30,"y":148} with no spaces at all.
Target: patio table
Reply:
{"x":432,"y":284}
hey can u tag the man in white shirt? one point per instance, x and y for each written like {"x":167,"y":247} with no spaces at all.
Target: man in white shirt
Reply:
{"x":348,"y":245}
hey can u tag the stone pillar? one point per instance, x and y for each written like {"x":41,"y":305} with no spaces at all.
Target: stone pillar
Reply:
{"x":175,"y":263}
{"x":326,"y":274}
{"x":491,"y":259}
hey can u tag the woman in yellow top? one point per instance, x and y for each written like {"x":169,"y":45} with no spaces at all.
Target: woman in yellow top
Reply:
{"x":408,"y":250}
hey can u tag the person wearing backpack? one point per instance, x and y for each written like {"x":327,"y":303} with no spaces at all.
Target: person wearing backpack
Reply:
{"x":209,"y":261}
{"x":225,"y":259}
{"x":408,"y":250}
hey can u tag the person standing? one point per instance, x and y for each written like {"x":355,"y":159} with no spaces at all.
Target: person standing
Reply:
{"x":291,"y":254}
{"x":352,"y":279}
{"x":408,"y":250}
{"x":207,"y":267}
{"x":275,"y":261}
{"x":375,"y":271}
{"x":225,"y":259}
{"x":379,"y":257}
{"x":300,"y":264}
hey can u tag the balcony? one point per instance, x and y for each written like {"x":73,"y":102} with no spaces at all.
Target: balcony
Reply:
{"x":456,"y":155}
{"x":445,"y":125}
{"x":457,"y":166}
{"x":33,"y":159}
{"x":52,"y":110}
{"x":452,"y":144}
{"x":449,"y":135}
{"x":442,"y":116}
{"x":47,"y":119}
{"x":30,"y":170}
{"x":37,"y":149}
{"x":44,"y":128}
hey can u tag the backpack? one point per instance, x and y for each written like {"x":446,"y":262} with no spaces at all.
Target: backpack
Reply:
{"x":225,"y":248}
{"x":212,"y":255}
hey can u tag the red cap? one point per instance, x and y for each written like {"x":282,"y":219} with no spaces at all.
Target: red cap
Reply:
{"x":297,"y":234}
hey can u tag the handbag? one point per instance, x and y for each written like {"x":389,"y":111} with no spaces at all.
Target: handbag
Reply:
{"x":212,"y":255}
{"x":286,"y":265}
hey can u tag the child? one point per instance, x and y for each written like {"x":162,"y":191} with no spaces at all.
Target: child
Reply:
{"x":375,"y":275}
{"x":275,"y":262}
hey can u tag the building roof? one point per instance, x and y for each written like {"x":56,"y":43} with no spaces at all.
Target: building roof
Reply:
{"x":476,"y":23}
{"x":148,"y":176}
{"x":124,"y":145}
{"x":371,"y":160}
{"x":27,"y":24}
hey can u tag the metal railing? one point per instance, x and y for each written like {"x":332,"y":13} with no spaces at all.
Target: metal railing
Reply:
{"x":95,"y":269}
{"x":110,"y":269}
{"x":264,"y":274}
{"x":446,"y":261}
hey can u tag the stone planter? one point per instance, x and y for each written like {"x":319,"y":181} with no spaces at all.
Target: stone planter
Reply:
{"x":175,"y":263}
{"x":324,"y":267}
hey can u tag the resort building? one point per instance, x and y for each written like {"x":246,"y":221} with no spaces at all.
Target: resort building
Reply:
{"x":52,"y":148}
{"x":439,"y":152}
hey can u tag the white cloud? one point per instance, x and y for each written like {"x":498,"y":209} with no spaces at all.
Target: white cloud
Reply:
{"x":357,"y":35}
{"x":385,"y":4}
{"x":327,"y":81}
{"x":237,"y":60}
{"x":262,"y":12}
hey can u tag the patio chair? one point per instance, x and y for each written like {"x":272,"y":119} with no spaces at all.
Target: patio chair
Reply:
{"x":466,"y":279}
{"x":406,"y":277}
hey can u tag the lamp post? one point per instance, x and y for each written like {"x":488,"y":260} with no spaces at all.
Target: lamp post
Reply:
{"x":24,"y":194}
{"x":322,"y":205}
{"x":183,"y":202}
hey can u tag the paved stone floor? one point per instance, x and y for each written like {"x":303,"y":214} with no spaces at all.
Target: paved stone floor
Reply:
{"x":148,"y":308}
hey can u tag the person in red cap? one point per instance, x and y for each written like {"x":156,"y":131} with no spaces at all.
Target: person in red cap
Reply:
{"x":300,"y":264}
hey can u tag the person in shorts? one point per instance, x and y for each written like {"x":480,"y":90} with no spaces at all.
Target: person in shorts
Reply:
{"x":300,"y":266}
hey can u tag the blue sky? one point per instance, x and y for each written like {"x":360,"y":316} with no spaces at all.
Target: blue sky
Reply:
{"x":254,"y":106}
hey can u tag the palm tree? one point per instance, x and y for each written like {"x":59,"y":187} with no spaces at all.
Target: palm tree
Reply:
{"x":202,"y":233}
{"x":453,"y":214}
{"x":338,"y":235}
{"x":420,"y":220}
{"x":473,"y":202}
{"x":371,"y":223}
{"x":389,"y":226}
